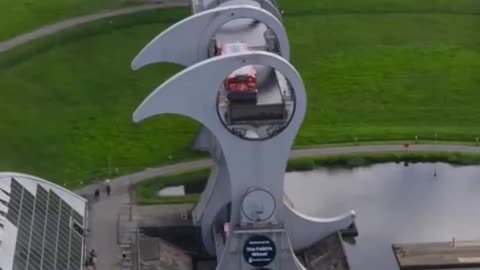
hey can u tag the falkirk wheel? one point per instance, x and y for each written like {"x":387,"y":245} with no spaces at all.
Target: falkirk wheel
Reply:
{"x":245,"y":218}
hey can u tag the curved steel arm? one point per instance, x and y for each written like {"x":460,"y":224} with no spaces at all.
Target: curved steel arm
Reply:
{"x":304,"y":231}
{"x":266,"y":160}
{"x":186,"y":42}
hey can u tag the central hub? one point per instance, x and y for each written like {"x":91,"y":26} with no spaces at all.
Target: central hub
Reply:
{"x":258,"y":205}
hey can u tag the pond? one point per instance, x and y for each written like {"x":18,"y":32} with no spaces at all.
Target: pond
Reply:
{"x":395,"y":203}
{"x":172,"y":191}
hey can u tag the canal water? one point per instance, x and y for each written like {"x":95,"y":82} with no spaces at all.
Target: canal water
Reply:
{"x":395,"y":203}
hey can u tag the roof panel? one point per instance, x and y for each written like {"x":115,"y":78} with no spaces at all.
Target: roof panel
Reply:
{"x":44,"y":223}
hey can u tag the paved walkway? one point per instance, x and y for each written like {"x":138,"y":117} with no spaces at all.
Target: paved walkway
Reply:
{"x":103,"y":230}
{"x":104,"y":213}
{"x":74,"y":22}
{"x":120,"y":184}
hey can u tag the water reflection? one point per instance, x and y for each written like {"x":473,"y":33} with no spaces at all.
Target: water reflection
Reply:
{"x":394,"y":203}
{"x":172,"y":191}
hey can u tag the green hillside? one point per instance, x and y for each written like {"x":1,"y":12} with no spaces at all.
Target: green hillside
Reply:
{"x":375,"y":70}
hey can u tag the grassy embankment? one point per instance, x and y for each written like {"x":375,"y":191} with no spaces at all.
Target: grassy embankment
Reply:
{"x":20,"y":16}
{"x":375,"y":70}
{"x":147,"y":192}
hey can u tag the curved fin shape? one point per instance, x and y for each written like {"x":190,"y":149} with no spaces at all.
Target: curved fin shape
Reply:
{"x":314,"y":230}
{"x":186,"y":42}
{"x":176,"y":96}
{"x":267,"y":158}
{"x":304,"y":231}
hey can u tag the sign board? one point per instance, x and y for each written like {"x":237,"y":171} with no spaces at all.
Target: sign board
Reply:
{"x":259,"y":251}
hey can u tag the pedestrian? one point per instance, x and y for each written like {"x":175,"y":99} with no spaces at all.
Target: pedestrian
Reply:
{"x":107,"y":186}
{"x":97,"y":194}
{"x":124,"y":255}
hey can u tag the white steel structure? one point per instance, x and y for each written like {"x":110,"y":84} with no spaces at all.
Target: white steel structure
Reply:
{"x":245,"y":188}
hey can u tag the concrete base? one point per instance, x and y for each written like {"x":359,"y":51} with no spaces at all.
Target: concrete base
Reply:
{"x":158,"y":254}
{"x":326,"y":255}
{"x":184,"y":240}
{"x":168,"y":223}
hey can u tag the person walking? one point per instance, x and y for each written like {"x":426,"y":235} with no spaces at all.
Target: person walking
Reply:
{"x":94,"y":262}
{"x":107,"y":187}
{"x":93,"y":259}
{"x":97,"y":194}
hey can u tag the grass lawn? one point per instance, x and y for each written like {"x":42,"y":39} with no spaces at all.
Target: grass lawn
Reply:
{"x":19,"y":16}
{"x":387,"y":77}
{"x":375,"y":70}
{"x":325,"y":7}
{"x":67,"y":104}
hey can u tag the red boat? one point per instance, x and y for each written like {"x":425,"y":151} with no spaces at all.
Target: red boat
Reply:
{"x":241,"y":85}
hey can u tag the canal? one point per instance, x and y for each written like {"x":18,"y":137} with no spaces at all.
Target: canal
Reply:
{"x":395,"y":203}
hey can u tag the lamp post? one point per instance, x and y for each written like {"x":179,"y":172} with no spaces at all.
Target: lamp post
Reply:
{"x":435,"y":165}
{"x":109,"y":161}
